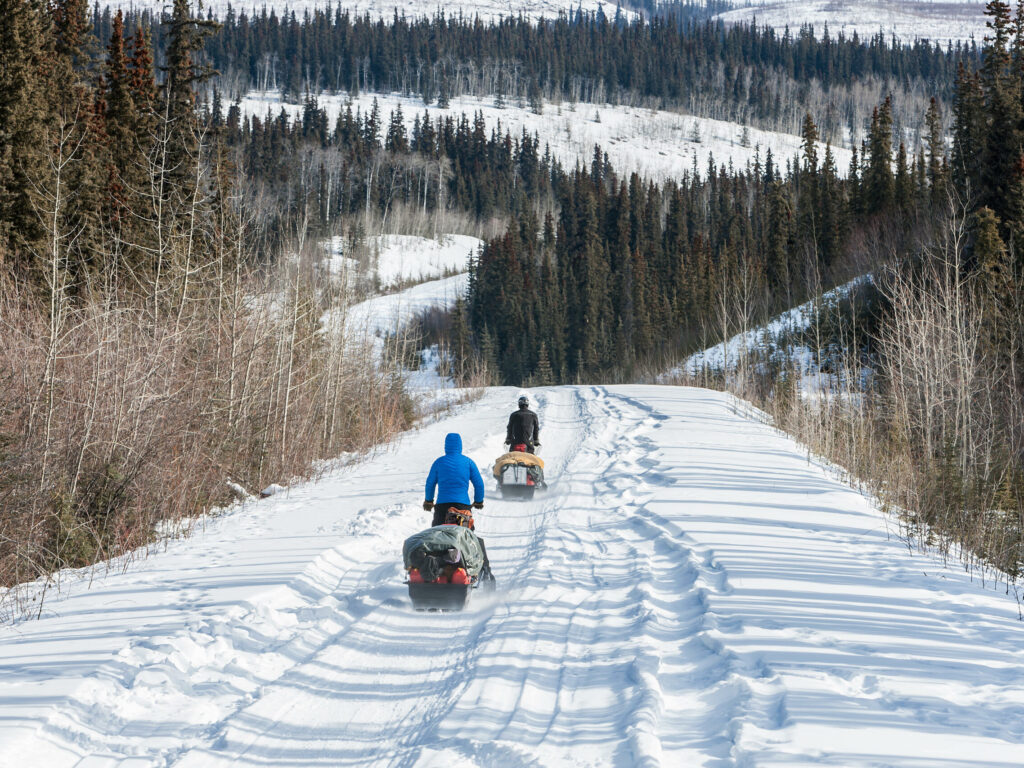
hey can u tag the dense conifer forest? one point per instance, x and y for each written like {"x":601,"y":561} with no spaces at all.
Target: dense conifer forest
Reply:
{"x":674,"y":58}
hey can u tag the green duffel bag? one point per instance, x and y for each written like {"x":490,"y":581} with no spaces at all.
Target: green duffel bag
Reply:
{"x":429,"y":551}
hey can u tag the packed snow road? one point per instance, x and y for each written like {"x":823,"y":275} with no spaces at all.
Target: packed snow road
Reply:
{"x":690,"y":592}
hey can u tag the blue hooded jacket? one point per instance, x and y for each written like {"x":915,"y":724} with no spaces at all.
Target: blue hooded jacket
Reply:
{"x":452,"y":473}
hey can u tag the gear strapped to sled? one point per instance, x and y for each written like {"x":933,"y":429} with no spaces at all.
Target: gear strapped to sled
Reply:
{"x":429,"y":551}
{"x":461,"y":517}
{"x":445,"y":564}
{"x":520,"y":468}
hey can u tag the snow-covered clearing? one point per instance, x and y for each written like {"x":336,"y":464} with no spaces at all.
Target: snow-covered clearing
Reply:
{"x":695,"y":593}
{"x":657,"y":144}
{"x":937,"y":20}
{"x":401,"y":259}
{"x":391,"y":312}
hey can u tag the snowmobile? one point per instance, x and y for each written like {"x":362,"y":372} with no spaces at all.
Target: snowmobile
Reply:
{"x":446,"y":563}
{"x":519,"y":473}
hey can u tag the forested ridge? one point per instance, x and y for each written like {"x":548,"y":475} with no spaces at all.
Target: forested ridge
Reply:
{"x":674,"y":59}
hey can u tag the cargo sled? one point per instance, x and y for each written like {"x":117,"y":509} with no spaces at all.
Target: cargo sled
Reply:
{"x":445,"y":564}
{"x":519,"y":474}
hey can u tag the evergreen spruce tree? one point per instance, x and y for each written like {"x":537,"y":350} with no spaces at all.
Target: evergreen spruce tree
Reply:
{"x":1002,"y":144}
{"x":996,"y":272}
{"x":833,"y":210}
{"x":808,"y":201}
{"x":969,"y":135}
{"x":777,"y":256}
{"x":936,"y":154}
{"x":25,"y":54}
{"x":396,"y":140}
{"x":543,"y":375}
{"x":185,"y":35}
{"x":903,"y":185}
{"x":878,"y":181}
{"x":853,"y":184}
{"x":78,"y":145}
{"x":122,"y":123}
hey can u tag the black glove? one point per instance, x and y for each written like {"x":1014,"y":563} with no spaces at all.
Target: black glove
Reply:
{"x":536,"y":445}
{"x":428,"y":505}
{"x":478,"y":505}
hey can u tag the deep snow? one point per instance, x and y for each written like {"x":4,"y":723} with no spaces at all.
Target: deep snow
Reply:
{"x":696,"y":592}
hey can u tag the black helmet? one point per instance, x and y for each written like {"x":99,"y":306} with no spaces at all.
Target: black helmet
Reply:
{"x":524,"y":400}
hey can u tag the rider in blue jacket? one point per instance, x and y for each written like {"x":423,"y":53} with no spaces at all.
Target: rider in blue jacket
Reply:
{"x":451,"y":475}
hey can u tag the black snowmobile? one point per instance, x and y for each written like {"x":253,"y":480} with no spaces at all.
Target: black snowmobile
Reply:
{"x":445,"y":564}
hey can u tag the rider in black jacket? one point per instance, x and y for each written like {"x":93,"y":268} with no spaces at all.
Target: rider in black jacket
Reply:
{"x":523,"y":427}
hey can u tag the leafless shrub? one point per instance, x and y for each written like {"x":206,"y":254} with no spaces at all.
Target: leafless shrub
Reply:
{"x":117,"y":421}
{"x":935,"y":430}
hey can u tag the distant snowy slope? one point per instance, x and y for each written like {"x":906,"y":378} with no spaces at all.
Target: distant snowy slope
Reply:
{"x":389,"y":313}
{"x":657,"y":144}
{"x":691,"y":592}
{"x":724,"y":355}
{"x":398,"y":259}
{"x":401,"y":259}
{"x":485,"y":9}
{"x":937,"y":20}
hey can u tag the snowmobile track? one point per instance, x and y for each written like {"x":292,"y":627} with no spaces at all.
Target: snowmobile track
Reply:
{"x":691,"y":591}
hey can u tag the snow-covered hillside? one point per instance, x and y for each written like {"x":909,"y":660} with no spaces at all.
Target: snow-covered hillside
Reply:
{"x":397,"y":260}
{"x":781,"y":328}
{"x":908,"y":20}
{"x":657,"y":144}
{"x":390,"y":312}
{"x":485,"y":9}
{"x":691,"y":592}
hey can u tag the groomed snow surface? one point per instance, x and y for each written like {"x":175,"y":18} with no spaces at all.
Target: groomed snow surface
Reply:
{"x":692,"y":591}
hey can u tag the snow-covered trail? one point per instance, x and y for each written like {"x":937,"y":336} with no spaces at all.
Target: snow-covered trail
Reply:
{"x":697,"y":594}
